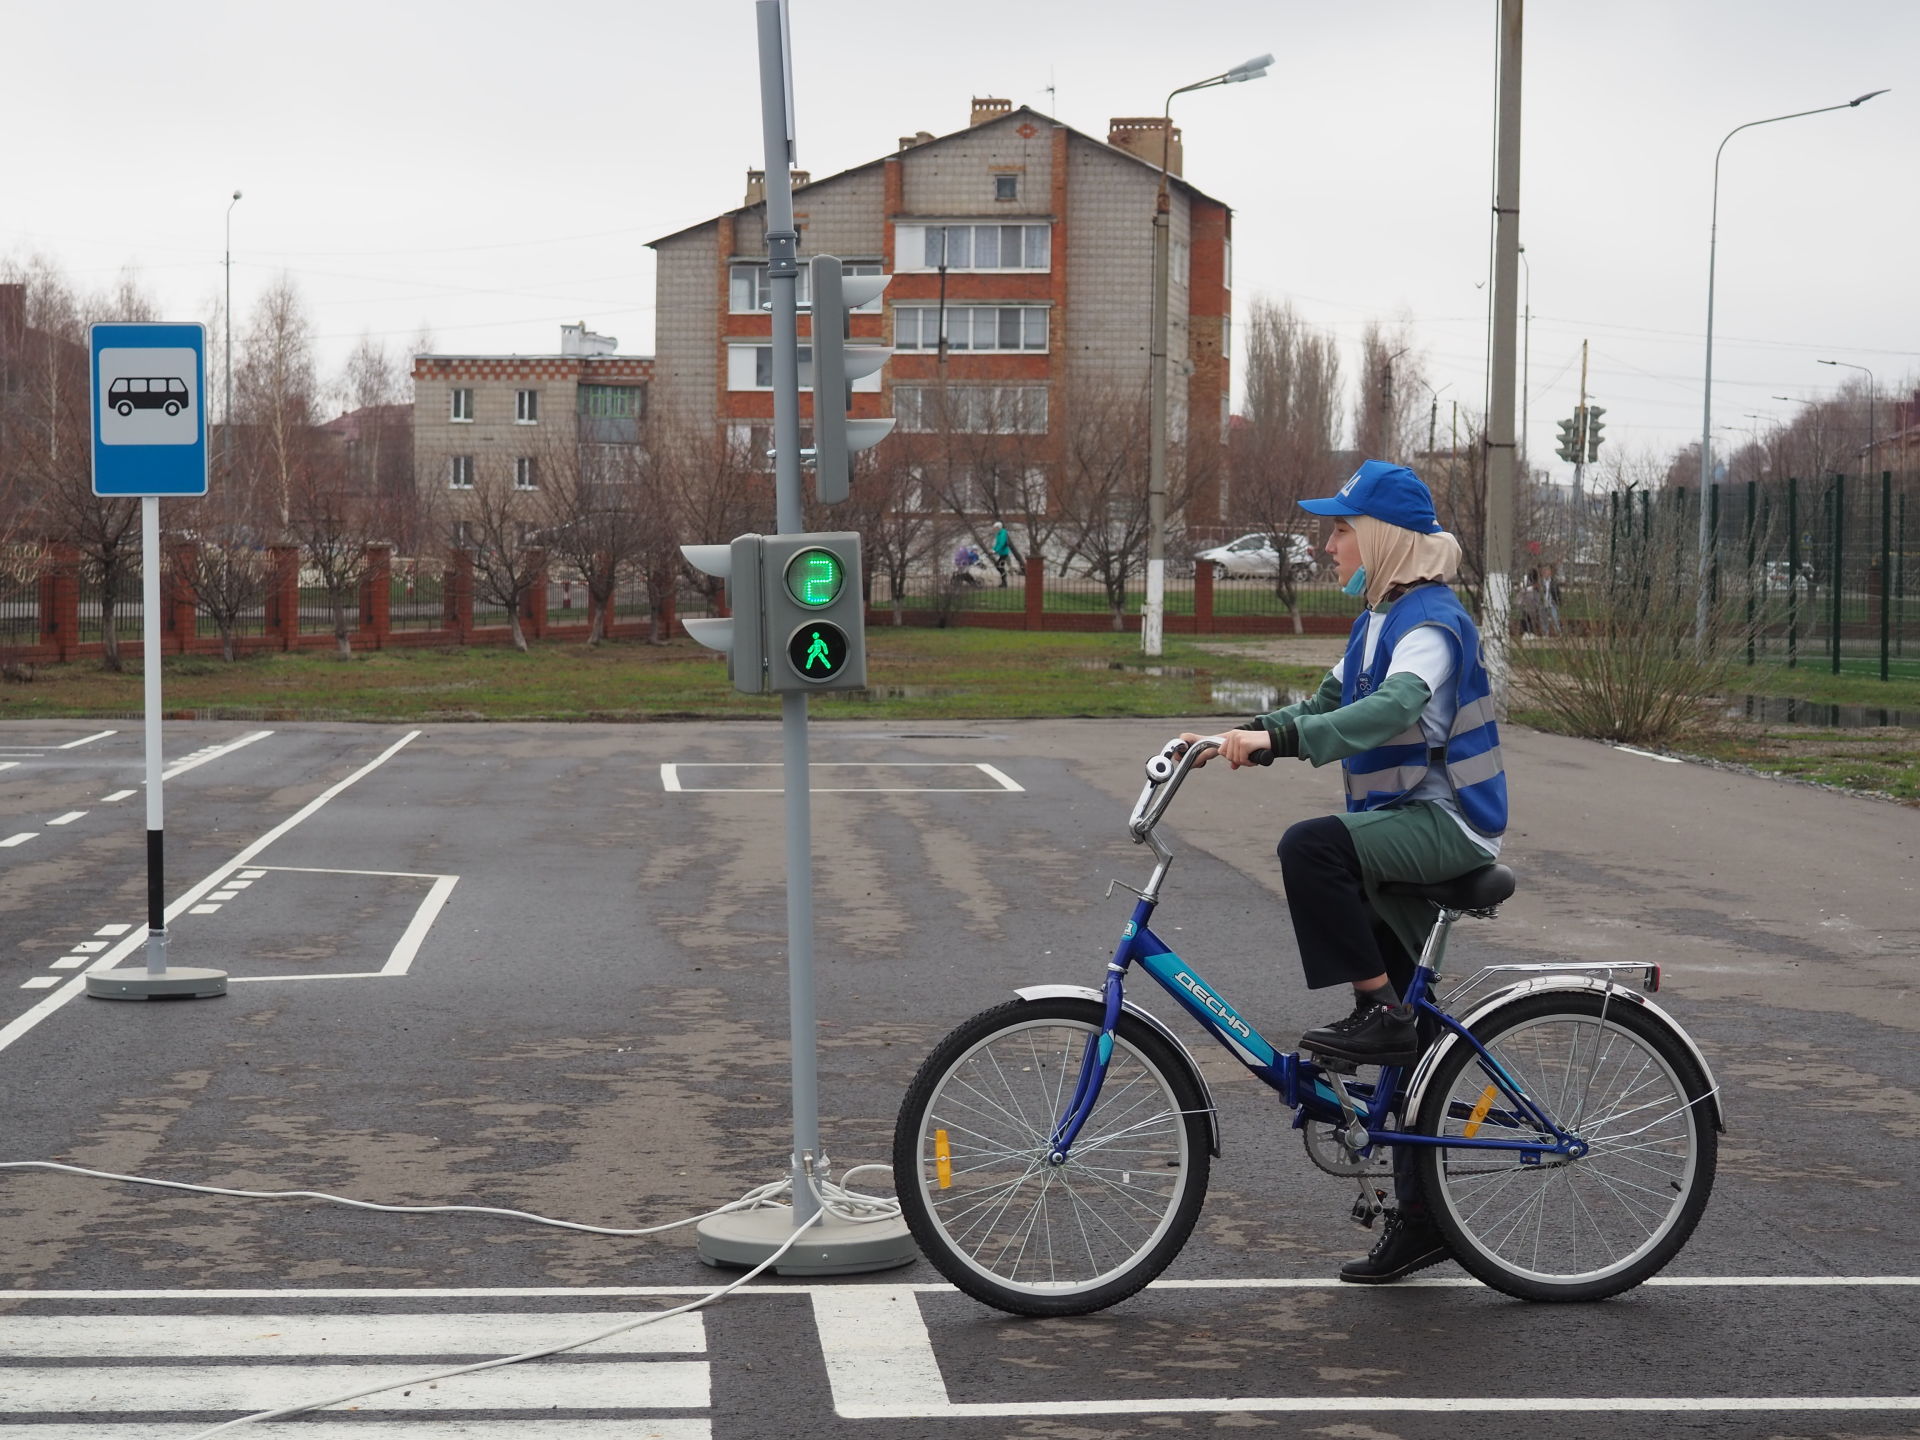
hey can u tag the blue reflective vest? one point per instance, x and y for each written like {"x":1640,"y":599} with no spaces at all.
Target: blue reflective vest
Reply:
{"x":1471,"y":757}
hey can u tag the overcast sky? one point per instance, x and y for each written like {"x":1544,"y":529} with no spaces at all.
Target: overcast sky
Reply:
{"x":488,"y":170}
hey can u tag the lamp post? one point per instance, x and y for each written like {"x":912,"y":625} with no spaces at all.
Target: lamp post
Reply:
{"x":1526,"y":354}
{"x":1706,"y":415}
{"x":1152,"y":615}
{"x":1433,"y":414}
{"x":1872,"y":439}
{"x":226,"y":417}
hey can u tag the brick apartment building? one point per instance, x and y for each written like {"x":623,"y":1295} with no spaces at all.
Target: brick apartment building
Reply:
{"x":1045,"y":292}
{"x":506,"y":420}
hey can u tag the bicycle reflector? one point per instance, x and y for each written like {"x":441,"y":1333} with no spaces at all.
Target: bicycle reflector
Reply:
{"x":814,"y":578}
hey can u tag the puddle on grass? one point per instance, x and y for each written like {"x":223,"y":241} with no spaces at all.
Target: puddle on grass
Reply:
{"x":899,"y":692}
{"x":1132,"y":667}
{"x":1783,"y":710}
{"x":1255,"y":698}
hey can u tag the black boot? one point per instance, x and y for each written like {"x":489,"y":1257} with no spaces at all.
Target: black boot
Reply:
{"x":1371,"y":1035}
{"x":1405,"y":1245}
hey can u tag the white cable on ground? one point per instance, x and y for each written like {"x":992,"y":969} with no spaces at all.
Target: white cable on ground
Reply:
{"x":833,"y":1199}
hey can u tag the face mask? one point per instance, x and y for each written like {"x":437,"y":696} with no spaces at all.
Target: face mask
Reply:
{"x":1358,"y":584}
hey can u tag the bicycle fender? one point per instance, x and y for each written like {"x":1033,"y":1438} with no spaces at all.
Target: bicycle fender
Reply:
{"x":1423,"y":1072}
{"x":1087,"y":992}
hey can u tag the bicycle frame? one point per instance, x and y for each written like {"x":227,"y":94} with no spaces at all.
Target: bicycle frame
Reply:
{"x":1304,"y":1086}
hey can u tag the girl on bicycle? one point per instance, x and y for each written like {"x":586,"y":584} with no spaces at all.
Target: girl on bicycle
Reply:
{"x":1408,"y":714}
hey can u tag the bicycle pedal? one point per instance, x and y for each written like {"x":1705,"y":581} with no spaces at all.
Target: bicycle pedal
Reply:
{"x":1334,"y":1065}
{"x":1363,"y":1213}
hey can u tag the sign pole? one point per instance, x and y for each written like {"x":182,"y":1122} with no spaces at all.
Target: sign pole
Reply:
{"x":150,"y":666}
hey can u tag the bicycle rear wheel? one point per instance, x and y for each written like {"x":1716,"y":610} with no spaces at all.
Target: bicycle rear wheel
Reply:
{"x":1578,"y":1229}
{"x":970,"y":1160}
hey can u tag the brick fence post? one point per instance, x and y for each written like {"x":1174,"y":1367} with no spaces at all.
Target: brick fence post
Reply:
{"x":1036,"y":593}
{"x":668,"y":598}
{"x":458,"y":590}
{"x":60,"y":602}
{"x":182,"y":611}
{"x":283,"y":595}
{"x":533,"y":604}
{"x":376,"y":596}
{"x":1202,"y":598}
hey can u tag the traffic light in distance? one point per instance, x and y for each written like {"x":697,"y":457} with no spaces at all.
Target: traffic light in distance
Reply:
{"x":741,"y":637}
{"x":1569,"y":446}
{"x":836,"y":365}
{"x":816,"y":632}
{"x":1594,"y":427}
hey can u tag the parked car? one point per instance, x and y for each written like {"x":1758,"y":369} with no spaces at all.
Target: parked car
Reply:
{"x":1258,"y":555}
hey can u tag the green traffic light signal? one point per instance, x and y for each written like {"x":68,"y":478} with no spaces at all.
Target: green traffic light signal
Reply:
{"x":818,"y":652}
{"x":814,"y":578}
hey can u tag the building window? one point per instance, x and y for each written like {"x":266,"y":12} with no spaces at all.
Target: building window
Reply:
{"x":460,"y":469}
{"x":973,"y":247}
{"x":526,"y":407}
{"x":463,"y":405}
{"x":525,"y":476}
{"x":1006,"y":187}
{"x":749,"y":292}
{"x":463,"y":534}
{"x":971,"y":327}
{"x":750,"y":367}
{"x":1226,"y":336}
{"x":612,"y":402}
{"x":763,"y":365}
{"x":971,"y":409}
{"x":1226,"y":264}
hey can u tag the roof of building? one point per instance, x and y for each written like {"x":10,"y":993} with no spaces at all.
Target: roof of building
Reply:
{"x":1026,"y":110}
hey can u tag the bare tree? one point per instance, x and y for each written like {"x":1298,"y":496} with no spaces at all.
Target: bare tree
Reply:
{"x":591,"y":507}
{"x":897,"y":513}
{"x":1101,"y":499}
{"x":275,"y":389}
{"x":224,"y":562}
{"x":500,"y":518}
{"x":1388,"y":391}
{"x":711,"y":486}
{"x":1285,"y":451}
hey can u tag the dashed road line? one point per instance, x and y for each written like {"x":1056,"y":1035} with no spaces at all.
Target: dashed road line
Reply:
{"x":210,"y":752}
{"x":69,"y":817}
{"x":8,"y":764}
{"x":112,"y":930}
{"x":41,"y":982}
{"x":20,"y":839}
{"x":87,"y":740}
{"x":117,"y":795}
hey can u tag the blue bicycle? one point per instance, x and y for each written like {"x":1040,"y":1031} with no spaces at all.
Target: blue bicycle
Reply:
{"x":1052,"y":1154}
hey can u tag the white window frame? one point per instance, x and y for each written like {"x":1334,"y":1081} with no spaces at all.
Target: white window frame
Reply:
{"x":460,"y":405}
{"x":910,"y":248}
{"x":911,"y":334}
{"x":460,"y":472}
{"x":749,"y":292}
{"x":1011,"y":180}
{"x":745,"y":365}
{"x":526,"y":407}
{"x":1021,"y":409}
{"x":526,"y":473}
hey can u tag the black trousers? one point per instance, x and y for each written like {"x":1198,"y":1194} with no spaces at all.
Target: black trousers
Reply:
{"x":1341,"y":938}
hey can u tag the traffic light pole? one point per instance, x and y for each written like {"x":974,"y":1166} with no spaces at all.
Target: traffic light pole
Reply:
{"x":1580,"y":461}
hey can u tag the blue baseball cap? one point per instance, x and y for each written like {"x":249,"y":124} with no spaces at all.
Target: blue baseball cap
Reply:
{"x":1392,"y":493}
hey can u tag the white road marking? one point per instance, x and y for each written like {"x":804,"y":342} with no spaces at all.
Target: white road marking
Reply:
{"x":204,"y":910}
{"x":547,"y":1386}
{"x":76,"y":744}
{"x":23,"y":1024}
{"x":212,"y":752}
{"x":20,"y":839}
{"x":1649,"y":755}
{"x":881,"y":1366}
{"x":117,"y":795}
{"x":226,"y":895}
{"x":89,"y":947}
{"x":238,"y":884}
{"x":68,"y":818}
{"x":8,"y":764}
{"x":672,"y":780}
{"x":41,"y":982}
{"x":256,"y":874}
{"x":68,"y":962}
{"x":662,"y":1429}
{"x":416,"y":932}
{"x":113,"y":929}
{"x":291,"y":1337}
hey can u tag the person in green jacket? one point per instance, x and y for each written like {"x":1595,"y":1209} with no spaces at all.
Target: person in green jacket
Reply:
{"x":1408,"y":716}
{"x":1002,"y":552}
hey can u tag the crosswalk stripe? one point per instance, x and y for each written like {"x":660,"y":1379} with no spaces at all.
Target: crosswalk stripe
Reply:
{"x":284,"y":1337}
{"x":664,"y":1429}
{"x":544,"y":1385}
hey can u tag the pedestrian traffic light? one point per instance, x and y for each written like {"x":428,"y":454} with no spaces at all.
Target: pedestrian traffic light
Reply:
{"x":741,"y":636}
{"x":1594,"y":427}
{"x":1569,"y":446}
{"x":815,"y":607}
{"x":836,"y":365}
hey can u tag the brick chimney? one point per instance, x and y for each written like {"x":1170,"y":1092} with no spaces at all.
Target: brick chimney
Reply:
{"x":757,"y":185}
{"x":1143,"y":135}
{"x":920,"y":137}
{"x":986,"y":108}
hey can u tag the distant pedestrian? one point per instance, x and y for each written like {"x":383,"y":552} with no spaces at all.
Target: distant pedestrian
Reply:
{"x":1549,"y":600}
{"x":1002,"y":550}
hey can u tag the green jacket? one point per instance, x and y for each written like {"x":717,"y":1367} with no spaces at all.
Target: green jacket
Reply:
{"x":1322,"y":730}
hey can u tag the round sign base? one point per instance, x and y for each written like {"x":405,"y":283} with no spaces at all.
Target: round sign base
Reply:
{"x":174,"y":983}
{"x":741,"y":1239}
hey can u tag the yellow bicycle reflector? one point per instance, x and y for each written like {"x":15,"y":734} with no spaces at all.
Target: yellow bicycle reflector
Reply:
{"x":1479,"y":1112}
{"x":942,"y":1160}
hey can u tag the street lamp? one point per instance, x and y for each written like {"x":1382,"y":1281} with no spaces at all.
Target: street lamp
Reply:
{"x":226,"y":430}
{"x":1433,"y":413}
{"x":1872,"y":442}
{"x":1706,"y":417}
{"x":1153,"y":613}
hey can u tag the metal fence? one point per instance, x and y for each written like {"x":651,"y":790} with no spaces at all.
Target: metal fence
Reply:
{"x":19,"y":609}
{"x":1817,"y":572}
{"x":416,"y":595}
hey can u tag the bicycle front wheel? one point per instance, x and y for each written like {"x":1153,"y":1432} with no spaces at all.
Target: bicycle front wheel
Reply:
{"x":1586,"y":1228}
{"x":970,"y":1159}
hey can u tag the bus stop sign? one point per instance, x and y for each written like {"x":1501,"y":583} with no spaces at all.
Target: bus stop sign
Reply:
{"x":149,"y":409}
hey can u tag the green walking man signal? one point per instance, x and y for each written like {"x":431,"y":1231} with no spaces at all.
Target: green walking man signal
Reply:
{"x":799,"y":618}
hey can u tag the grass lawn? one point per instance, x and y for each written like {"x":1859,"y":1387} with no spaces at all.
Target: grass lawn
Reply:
{"x":915,"y":674}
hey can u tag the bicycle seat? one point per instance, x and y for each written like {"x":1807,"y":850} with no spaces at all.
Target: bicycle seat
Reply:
{"x":1480,"y":889}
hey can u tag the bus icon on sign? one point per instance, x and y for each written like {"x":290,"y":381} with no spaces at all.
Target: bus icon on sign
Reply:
{"x":152,"y":392}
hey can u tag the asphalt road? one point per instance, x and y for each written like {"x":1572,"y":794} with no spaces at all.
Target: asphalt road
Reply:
{"x":516,"y":966}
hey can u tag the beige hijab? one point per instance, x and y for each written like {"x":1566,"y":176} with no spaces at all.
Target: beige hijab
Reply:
{"x":1394,"y":556}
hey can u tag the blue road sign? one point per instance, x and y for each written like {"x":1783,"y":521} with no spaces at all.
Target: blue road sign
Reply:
{"x":149,"y":409}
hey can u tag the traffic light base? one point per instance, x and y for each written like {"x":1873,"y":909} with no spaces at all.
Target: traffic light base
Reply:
{"x":174,"y":983}
{"x":741,"y":1239}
